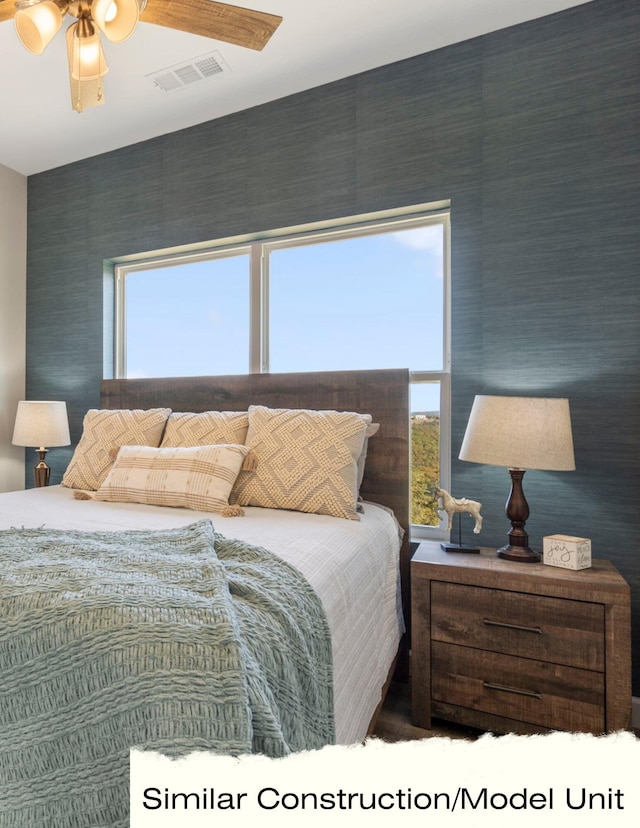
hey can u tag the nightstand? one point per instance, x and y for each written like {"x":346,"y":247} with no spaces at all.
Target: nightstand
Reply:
{"x":519,"y":648}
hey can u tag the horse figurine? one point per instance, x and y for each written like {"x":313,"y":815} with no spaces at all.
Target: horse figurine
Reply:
{"x":451,"y":505}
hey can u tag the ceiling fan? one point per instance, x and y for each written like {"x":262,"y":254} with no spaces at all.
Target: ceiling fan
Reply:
{"x":38,"y":21}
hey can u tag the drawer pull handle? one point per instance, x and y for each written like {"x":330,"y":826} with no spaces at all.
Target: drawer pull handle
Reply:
{"x":489,"y":686}
{"x":512,"y":626}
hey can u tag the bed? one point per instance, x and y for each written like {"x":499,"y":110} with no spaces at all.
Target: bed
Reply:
{"x":357,"y":568}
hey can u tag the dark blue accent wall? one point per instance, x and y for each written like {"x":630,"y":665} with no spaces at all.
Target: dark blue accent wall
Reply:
{"x":531,"y":132}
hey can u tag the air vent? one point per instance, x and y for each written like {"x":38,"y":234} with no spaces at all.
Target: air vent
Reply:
{"x":192,"y":71}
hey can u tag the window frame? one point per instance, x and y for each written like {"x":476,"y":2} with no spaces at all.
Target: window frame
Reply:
{"x":258,"y":247}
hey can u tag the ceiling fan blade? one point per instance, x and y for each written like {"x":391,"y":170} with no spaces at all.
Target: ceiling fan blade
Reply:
{"x":7,"y":10}
{"x":233,"y":24}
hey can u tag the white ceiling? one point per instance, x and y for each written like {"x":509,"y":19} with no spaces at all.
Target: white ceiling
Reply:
{"x":315,"y":44}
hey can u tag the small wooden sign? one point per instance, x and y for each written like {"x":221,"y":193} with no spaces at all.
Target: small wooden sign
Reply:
{"x":566,"y":551}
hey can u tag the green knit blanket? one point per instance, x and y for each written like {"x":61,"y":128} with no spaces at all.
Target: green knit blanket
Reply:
{"x":173,"y":641}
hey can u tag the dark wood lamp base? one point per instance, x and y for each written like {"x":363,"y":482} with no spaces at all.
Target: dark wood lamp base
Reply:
{"x":517,"y":510}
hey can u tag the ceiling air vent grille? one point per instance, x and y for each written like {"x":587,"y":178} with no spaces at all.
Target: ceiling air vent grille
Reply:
{"x":192,"y":71}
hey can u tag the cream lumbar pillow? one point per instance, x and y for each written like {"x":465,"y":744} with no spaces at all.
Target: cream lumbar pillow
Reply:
{"x":195,"y":477}
{"x":103,"y":432}
{"x":305,"y":460}
{"x":205,"y":429}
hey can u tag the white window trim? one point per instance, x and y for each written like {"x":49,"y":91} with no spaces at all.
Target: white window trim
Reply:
{"x":258,"y":248}
{"x":419,"y":532}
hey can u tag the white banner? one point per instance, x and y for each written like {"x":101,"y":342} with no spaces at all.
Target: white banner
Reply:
{"x":567,"y":780}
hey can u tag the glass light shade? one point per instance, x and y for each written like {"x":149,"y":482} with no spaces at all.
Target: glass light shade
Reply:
{"x":37,"y":24}
{"x":86,"y":93}
{"x":41,"y":423}
{"x":520,"y":432}
{"x":87,"y":58}
{"x":116,"y":18}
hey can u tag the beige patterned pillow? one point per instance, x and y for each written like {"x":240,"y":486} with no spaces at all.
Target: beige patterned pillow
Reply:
{"x":206,"y":429}
{"x":305,"y":460}
{"x":197,"y":477}
{"x":105,"y":430}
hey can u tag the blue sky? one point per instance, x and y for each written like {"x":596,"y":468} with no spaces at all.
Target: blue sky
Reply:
{"x":364,"y":302}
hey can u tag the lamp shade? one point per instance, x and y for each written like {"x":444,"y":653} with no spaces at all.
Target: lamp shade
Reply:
{"x":116,"y":18}
{"x":84,"y":93}
{"x":37,"y":22}
{"x":520,"y":432}
{"x":40,"y":423}
{"x":86,"y":58}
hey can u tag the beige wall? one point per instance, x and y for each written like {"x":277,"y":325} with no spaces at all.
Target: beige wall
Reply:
{"x":13,"y":278}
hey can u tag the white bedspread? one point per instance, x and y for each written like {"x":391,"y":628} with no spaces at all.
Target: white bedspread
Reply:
{"x":352,"y":565}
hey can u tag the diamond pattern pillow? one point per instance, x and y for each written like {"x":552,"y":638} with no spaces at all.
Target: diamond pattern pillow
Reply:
{"x":197,"y":477}
{"x":104,"y":431}
{"x":305,"y":460}
{"x":205,"y":429}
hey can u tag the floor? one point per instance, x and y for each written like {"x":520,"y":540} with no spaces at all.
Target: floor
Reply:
{"x":394,"y":721}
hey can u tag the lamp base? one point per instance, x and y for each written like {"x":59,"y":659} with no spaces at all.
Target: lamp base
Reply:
{"x":41,"y":471}
{"x":517,"y":510}
{"x":519,"y":553}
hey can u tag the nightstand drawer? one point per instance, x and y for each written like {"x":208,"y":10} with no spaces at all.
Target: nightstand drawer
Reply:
{"x":531,"y":626}
{"x":543,"y":694}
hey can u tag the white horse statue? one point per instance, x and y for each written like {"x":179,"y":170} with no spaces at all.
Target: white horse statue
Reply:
{"x":451,"y":505}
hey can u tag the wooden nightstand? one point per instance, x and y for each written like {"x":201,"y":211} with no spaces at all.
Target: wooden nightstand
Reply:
{"x":519,"y":648}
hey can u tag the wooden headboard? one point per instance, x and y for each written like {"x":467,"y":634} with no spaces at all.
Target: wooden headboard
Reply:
{"x":384,"y":394}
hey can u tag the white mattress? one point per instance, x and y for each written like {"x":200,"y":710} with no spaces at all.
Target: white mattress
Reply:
{"x":352,"y":565}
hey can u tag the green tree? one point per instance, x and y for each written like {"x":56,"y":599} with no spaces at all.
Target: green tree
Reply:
{"x":425,"y":469}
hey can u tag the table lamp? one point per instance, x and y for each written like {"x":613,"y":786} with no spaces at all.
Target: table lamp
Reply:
{"x":41,"y":423}
{"x":519,"y":433}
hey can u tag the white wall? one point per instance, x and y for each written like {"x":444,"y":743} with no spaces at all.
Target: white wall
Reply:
{"x":13,"y":282}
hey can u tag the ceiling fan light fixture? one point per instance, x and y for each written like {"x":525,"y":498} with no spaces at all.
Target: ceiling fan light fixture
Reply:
{"x":37,"y":22}
{"x":87,"y":60}
{"x":116,"y":18}
{"x":84,"y":92}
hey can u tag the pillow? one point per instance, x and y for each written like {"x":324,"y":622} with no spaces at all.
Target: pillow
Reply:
{"x":105,"y":430}
{"x":371,"y":430}
{"x":206,"y":429}
{"x":305,"y":460}
{"x":195,"y":477}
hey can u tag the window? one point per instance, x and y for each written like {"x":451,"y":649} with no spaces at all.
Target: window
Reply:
{"x":190,"y":318}
{"x":371,"y":293}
